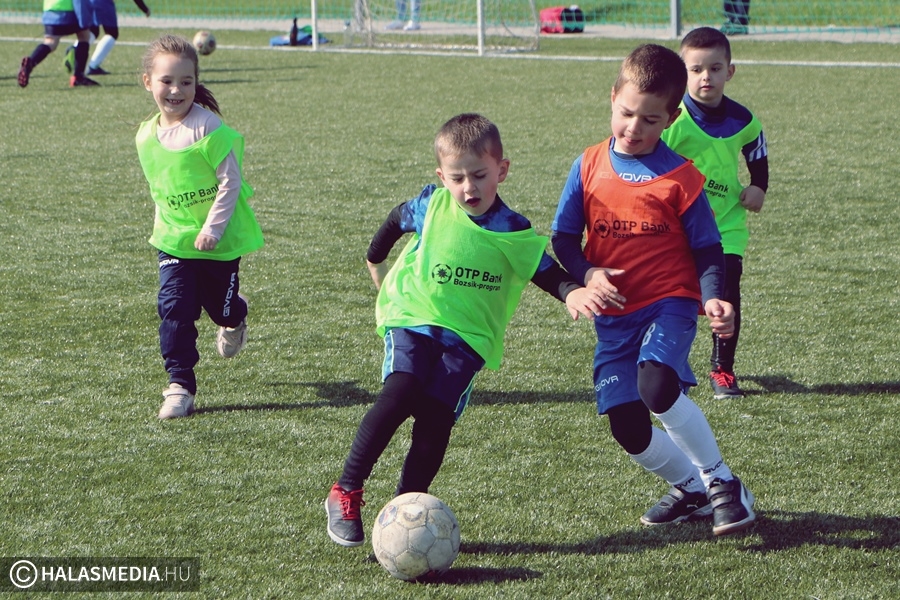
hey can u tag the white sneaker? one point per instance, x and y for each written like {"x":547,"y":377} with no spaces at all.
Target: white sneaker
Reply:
{"x":394,"y":25}
{"x":178,"y":402}
{"x":412,"y":26}
{"x":231,"y":340}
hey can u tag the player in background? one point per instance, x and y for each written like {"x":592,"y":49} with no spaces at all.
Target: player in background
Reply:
{"x":443,"y":309}
{"x":63,"y":17}
{"x":714,"y":131}
{"x":104,"y":15}
{"x":650,"y":227}
{"x":203,"y":223}
{"x":737,"y":17}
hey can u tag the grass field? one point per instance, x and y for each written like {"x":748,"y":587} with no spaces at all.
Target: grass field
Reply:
{"x":548,"y":504}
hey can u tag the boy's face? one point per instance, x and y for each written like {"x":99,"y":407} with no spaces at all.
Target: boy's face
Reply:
{"x":638,"y":120}
{"x":708,"y":70}
{"x":473,"y":180}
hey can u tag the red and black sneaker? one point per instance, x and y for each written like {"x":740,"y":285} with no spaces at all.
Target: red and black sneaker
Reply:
{"x":345,"y":526}
{"x":25,"y":71}
{"x":724,"y":384}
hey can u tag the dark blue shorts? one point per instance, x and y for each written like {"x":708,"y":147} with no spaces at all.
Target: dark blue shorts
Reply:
{"x":447,"y":372}
{"x":662,"y":332}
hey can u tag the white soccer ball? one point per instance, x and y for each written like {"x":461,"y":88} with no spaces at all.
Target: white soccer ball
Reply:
{"x":204,"y":42}
{"x":416,"y":537}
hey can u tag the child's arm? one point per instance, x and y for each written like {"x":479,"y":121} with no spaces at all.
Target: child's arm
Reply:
{"x":551,"y":278}
{"x":229,"y":175}
{"x":756,"y":155}
{"x":567,"y":247}
{"x":382,"y":243}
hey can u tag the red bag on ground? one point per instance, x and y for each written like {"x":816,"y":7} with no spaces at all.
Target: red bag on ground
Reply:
{"x":562,"y":19}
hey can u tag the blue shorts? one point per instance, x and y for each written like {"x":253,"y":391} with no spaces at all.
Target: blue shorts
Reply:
{"x":105,"y":13}
{"x":662,"y":332}
{"x":447,"y":372}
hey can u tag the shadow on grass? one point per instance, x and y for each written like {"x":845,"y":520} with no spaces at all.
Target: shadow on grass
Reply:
{"x":336,"y":394}
{"x":777,"y":530}
{"x":785,"y":385}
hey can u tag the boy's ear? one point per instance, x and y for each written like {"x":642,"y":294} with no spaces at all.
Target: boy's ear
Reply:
{"x":440,"y":175}
{"x":504,"y":170}
{"x":672,"y":117}
{"x":730,"y":72}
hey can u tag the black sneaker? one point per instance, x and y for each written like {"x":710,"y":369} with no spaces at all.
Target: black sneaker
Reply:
{"x":76,"y":81}
{"x":345,"y":526}
{"x":676,"y":506}
{"x":732,"y":506}
{"x":97,"y":71}
{"x":724,"y":384}
{"x":25,"y":71}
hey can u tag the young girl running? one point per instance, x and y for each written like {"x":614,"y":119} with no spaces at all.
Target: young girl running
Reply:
{"x":203,"y":223}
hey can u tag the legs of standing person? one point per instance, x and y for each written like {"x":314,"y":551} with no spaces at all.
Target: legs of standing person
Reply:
{"x":40,"y":52}
{"x":722,"y":377}
{"x":737,"y":17}
{"x":104,"y":14}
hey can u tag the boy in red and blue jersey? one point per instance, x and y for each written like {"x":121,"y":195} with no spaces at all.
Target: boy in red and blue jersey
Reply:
{"x":651,"y":230}
{"x":714,"y":131}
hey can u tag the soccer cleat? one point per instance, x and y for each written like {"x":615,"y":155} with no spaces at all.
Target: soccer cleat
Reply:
{"x":394,"y":25}
{"x":97,"y":71}
{"x":76,"y":81}
{"x":25,"y":71}
{"x":345,"y":526}
{"x":676,"y":506}
{"x":412,"y":26}
{"x":724,"y":384}
{"x":69,"y":60}
{"x":732,"y":506}
{"x":178,"y":402}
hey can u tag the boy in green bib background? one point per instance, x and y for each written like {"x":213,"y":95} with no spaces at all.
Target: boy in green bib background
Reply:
{"x":443,"y":309}
{"x":203,"y":224}
{"x":714,"y":131}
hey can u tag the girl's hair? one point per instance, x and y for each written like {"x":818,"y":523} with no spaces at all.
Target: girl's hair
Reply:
{"x":657,"y":70}
{"x":468,"y":132}
{"x":178,"y":46}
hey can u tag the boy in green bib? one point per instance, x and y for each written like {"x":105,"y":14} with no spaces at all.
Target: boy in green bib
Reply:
{"x":443,"y":309}
{"x":714,"y":131}
{"x":203,"y":224}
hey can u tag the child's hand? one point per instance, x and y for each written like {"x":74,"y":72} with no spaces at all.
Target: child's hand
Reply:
{"x":378,"y":271}
{"x":205,"y":242}
{"x":581,"y":301}
{"x":603,"y":292}
{"x":752,"y":198}
{"x":721,"y":317}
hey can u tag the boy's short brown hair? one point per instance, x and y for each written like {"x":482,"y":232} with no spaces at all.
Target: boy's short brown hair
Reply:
{"x":468,"y":132}
{"x":706,"y":38}
{"x":657,"y":70}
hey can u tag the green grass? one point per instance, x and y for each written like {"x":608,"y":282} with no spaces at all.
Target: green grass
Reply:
{"x":548,"y":504}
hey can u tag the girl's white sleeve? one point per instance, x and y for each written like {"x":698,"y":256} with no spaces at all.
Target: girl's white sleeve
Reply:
{"x":229,"y":174}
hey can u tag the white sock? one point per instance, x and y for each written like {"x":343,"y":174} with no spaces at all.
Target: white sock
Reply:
{"x":104,"y":47}
{"x":663,"y":458}
{"x":690,"y":431}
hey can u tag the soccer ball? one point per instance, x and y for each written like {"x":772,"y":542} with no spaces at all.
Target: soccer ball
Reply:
{"x":416,"y":537}
{"x":204,"y":42}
